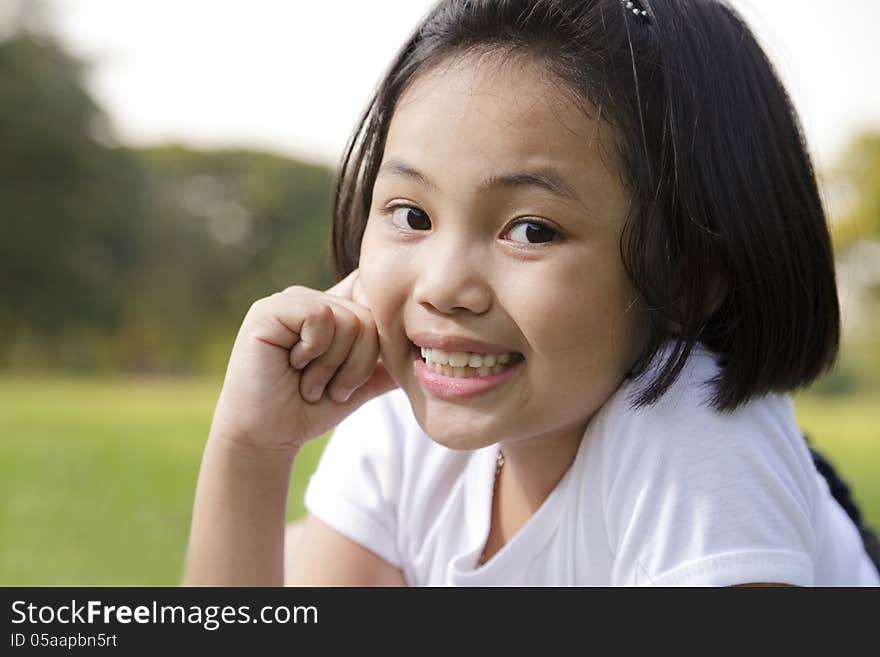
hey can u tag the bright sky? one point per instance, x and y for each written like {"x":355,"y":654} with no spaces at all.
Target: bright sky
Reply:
{"x":292,"y":76}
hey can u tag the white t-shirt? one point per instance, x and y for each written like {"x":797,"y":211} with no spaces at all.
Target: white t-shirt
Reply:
{"x":671,"y":494}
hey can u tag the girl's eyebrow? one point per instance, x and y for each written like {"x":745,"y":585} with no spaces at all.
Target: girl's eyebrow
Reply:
{"x":546,"y":179}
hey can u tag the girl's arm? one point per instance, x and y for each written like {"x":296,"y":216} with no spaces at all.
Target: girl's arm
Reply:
{"x":302,"y":361}
{"x":321,"y":556}
{"x":237,"y":535}
{"x":238,"y":531}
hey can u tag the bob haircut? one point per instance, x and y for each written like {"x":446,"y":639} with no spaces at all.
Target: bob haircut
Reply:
{"x":725,"y":238}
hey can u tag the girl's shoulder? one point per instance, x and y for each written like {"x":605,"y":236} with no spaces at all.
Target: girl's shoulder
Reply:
{"x":682,"y":432}
{"x":688,"y":401}
{"x":691,"y":495}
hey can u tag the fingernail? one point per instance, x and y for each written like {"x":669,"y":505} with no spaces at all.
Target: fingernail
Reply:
{"x":300,"y":362}
{"x":314,"y":393}
{"x":343,"y":394}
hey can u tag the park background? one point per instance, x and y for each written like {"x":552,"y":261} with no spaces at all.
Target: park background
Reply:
{"x":164,"y":164}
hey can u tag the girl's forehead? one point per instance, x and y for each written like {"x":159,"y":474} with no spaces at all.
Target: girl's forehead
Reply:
{"x":518,"y":89}
{"x":487,"y":111}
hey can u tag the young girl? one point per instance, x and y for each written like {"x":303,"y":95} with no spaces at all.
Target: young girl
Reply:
{"x":583,"y":262}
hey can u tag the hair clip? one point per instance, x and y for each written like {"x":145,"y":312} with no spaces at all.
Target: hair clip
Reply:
{"x":636,"y":8}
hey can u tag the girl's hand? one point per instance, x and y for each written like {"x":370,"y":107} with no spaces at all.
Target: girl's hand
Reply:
{"x":302,"y":361}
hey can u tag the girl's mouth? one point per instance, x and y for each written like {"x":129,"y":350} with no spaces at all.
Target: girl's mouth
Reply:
{"x":465,"y":365}
{"x":461,"y":374}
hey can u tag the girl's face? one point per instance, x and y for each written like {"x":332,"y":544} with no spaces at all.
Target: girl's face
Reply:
{"x":495,"y":218}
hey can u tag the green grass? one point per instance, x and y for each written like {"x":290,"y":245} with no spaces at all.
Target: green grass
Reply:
{"x":846,"y":431}
{"x":97,"y":476}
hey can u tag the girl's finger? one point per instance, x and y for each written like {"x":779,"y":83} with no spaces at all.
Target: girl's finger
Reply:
{"x":323,"y":368}
{"x":358,"y":295}
{"x":316,"y":333}
{"x":343,"y":289}
{"x":363,"y":313}
{"x":378,"y":383}
{"x":358,"y":366}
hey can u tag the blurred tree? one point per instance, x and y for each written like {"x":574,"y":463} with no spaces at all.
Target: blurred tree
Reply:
{"x":228,"y":228}
{"x":71,"y":207}
{"x":857,"y":176}
{"x":135,"y":259}
{"x":854,"y":185}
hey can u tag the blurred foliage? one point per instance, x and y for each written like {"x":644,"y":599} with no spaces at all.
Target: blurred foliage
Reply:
{"x":72,"y":209}
{"x":857,"y":180}
{"x":135,"y":259}
{"x":226,"y":228}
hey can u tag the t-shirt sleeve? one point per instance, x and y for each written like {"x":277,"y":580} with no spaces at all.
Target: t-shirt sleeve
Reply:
{"x":706,"y":499}
{"x":354,"y":487}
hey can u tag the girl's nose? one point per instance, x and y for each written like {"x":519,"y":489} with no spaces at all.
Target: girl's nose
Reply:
{"x":452,"y":278}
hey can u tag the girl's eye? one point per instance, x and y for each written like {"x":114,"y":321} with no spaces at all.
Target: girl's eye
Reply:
{"x":410,"y":218}
{"x":533,"y":232}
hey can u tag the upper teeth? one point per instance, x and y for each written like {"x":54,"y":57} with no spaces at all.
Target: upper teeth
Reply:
{"x":464,"y":358}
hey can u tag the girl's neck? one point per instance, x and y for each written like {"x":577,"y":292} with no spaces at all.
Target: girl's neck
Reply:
{"x":532,"y":469}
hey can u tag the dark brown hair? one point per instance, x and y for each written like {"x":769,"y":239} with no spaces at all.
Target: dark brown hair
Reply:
{"x":726,"y":238}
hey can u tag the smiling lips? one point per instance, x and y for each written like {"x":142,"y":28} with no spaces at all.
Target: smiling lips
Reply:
{"x":447,"y":381}
{"x":456,"y":367}
{"x":455,"y":343}
{"x":464,"y":365}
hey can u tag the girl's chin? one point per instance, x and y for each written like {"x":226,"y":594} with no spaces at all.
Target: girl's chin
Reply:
{"x":448,"y":423}
{"x":448,"y":433}
{"x":459,"y":443}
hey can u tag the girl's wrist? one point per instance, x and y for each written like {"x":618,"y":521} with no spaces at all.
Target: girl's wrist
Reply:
{"x":244,"y":447}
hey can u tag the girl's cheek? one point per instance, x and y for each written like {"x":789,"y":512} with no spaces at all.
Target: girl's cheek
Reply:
{"x":380,"y":277}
